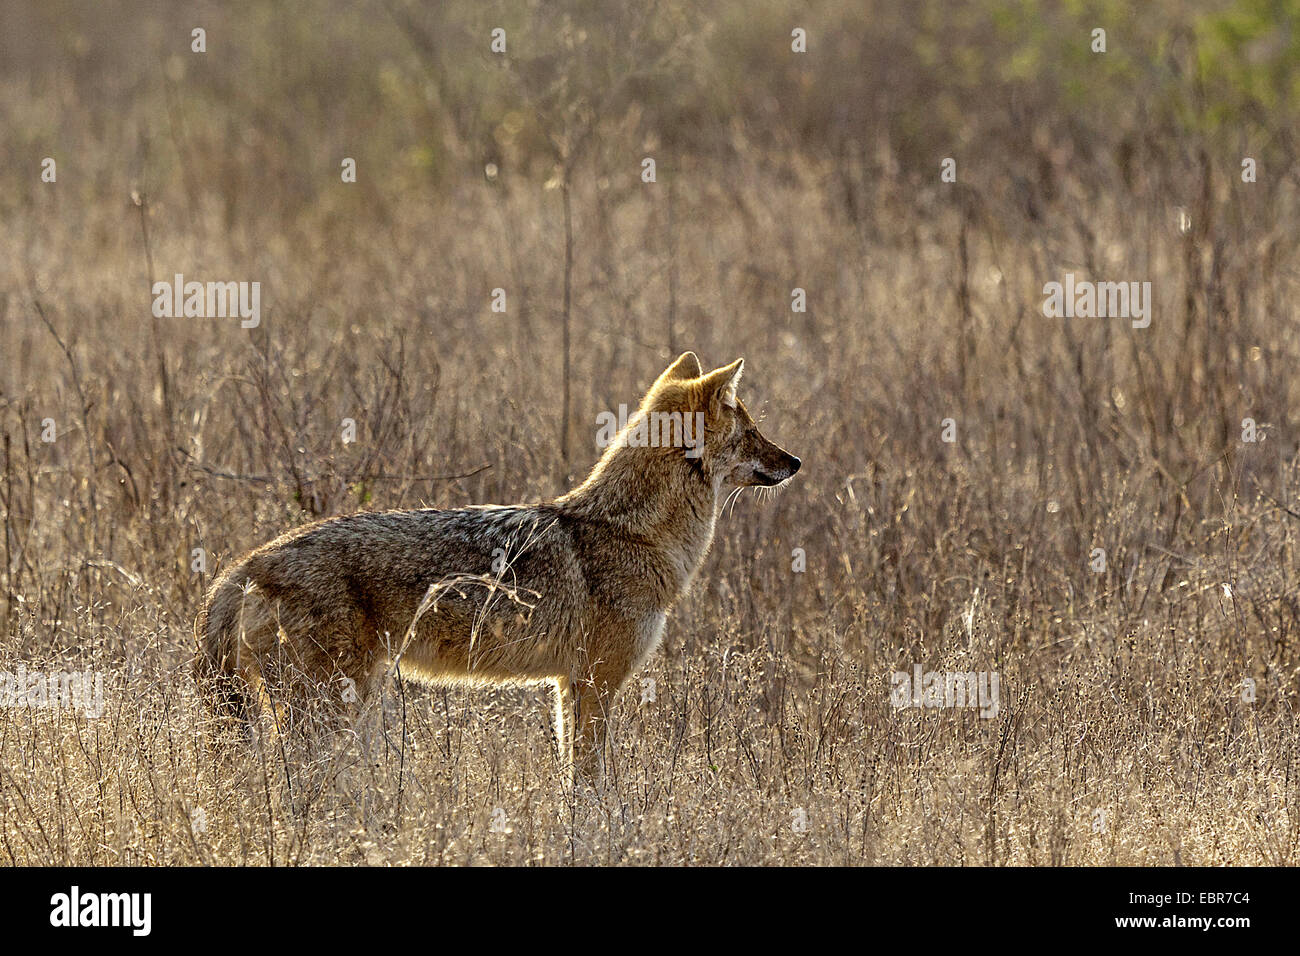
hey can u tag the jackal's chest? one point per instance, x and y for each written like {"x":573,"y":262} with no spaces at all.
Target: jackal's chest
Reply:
{"x":684,"y":562}
{"x":649,"y":633}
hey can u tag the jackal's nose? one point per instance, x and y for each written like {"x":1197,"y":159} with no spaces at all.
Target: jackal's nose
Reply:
{"x":794,"y":464}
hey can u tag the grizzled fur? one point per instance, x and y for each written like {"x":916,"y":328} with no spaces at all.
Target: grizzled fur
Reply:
{"x":573,"y":592}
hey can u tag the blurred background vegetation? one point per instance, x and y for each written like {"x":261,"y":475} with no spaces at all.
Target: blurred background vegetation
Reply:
{"x":414,"y":93}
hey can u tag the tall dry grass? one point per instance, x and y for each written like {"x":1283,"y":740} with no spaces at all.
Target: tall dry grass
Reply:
{"x":1123,"y":736}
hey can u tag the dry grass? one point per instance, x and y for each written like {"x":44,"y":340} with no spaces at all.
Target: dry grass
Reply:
{"x":1121,"y":691}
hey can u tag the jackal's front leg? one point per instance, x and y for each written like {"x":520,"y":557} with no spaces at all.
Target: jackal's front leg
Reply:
{"x":594,"y":702}
{"x":564,"y":722}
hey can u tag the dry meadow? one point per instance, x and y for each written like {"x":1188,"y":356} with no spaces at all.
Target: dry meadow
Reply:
{"x":1147,"y":709}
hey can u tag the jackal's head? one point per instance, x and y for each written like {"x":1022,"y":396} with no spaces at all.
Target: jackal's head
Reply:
{"x":732,"y":451}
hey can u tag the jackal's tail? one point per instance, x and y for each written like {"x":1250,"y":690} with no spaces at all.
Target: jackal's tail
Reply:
{"x":223,"y":679}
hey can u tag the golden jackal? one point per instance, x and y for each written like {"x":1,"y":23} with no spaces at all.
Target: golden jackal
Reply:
{"x":572,"y":591}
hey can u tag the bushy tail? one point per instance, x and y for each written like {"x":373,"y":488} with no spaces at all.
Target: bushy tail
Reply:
{"x":216,"y":665}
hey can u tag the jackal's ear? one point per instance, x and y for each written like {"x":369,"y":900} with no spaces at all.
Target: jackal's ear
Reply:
{"x":720,"y":385}
{"x":687,"y":366}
